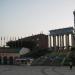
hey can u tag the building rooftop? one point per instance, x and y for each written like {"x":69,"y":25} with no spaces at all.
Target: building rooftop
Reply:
{"x":62,"y":31}
{"x":9,"y":50}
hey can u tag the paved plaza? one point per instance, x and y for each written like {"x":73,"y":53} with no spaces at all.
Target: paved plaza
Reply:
{"x":35,"y":70}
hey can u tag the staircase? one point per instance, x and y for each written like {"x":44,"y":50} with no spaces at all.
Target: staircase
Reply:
{"x":67,"y":55}
{"x":39,"y":61}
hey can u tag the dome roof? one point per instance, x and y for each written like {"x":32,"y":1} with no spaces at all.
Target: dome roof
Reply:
{"x":24,"y":51}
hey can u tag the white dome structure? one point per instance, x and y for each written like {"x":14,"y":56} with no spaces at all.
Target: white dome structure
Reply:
{"x":24,"y":51}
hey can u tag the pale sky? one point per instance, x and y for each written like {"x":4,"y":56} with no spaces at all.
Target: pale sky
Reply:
{"x":27,"y":17}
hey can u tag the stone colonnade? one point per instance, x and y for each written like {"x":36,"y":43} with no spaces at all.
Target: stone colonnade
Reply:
{"x":7,"y":60}
{"x":7,"y":57}
{"x":61,"y":41}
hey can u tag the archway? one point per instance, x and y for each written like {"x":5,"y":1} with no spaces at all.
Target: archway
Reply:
{"x":11,"y":60}
{"x":0,"y":60}
{"x":5,"y":60}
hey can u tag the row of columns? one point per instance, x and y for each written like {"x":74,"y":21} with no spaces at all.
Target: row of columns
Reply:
{"x":61,"y":41}
{"x":6,"y":60}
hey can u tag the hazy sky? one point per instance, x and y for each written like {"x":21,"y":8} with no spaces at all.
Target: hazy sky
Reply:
{"x":27,"y":17}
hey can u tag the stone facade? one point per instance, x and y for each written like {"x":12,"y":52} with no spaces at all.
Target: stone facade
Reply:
{"x":8,"y":55}
{"x":62,"y":38}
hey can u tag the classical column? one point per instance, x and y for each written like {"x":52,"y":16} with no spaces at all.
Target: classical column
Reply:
{"x":62,"y":38}
{"x":67,"y":40}
{"x":60,"y":41}
{"x":57,"y":40}
{"x":49,"y":41}
{"x":54,"y":41}
{"x":72,"y":40}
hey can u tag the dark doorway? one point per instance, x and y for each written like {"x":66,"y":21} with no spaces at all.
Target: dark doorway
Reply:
{"x":5,"y":60}
{"x":11,"y":60}
{"x":0,"y":60}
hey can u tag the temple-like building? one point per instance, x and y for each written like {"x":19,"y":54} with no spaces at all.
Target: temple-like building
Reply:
{"x":63,"y":38}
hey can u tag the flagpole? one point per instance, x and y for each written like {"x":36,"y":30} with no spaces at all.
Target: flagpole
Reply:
{"x":21,"y":41}
{"x":15,"y":41}
{"x":1,"y":41}
{"x":18,"y":41}
{"x":4,"y":41}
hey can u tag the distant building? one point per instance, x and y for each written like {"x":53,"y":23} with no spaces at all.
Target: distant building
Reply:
{"x":12,"y":56}
{"x":8,"y":55}
{"x":63,"y":38}
{"x":39,"y":40}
